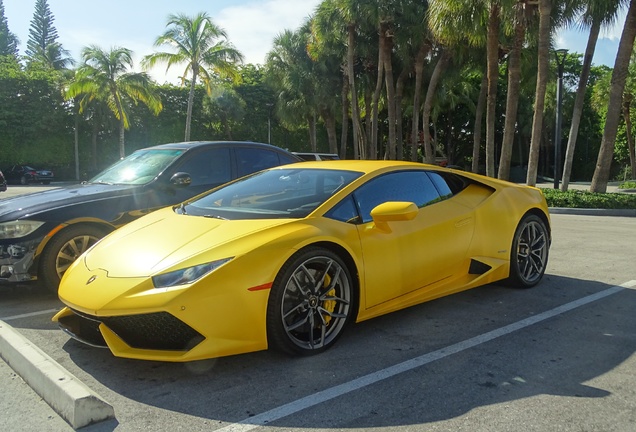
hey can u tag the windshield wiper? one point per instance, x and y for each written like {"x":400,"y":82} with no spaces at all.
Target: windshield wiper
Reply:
{"x":215,"y":217}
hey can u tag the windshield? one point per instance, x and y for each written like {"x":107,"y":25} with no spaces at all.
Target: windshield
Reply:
{"x":277,"y":193}
{"x":139,"y":168}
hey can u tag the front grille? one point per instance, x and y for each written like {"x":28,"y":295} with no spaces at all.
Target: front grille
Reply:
{"x":154,"y":331}
{"x":83,"y":329}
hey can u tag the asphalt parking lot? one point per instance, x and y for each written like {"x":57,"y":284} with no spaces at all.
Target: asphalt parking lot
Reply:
{"x":560,"y":356}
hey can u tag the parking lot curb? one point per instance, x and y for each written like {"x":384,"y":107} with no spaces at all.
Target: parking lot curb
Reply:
{"x":68,"y":396}
{"x":593,"y":212}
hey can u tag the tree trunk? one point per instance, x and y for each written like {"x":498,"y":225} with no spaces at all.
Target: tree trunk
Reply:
{"x":355,"y":111}
{"x":344,"y":134}
{"x":390,"y":89}
{"x":399,"y":95}
{"x":429,"y":151}
{"x":373,"y":142}
{"x":545,"y":7}
{"x":329,"y":119}
{"x":419,"y":73}
{"x":627,"y":103}
{"x":193,"y":84}
{"x":512,"y":99}
{"x":577,"y":112}
{"x":122,"y":126}
{"x":94,"y":135}
{"x":311,"y":124}
{"x":479,"y":116}
{"x":617,"y":86}
{"x":493,"y":76}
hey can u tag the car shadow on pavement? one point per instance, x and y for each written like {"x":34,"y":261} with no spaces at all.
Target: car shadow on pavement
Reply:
{"x":561,"y":356}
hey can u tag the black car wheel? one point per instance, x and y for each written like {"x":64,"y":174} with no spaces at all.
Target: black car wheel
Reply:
{"x":24,"y":180}
{"x":529,"y":253}
{"x":64,"y":248}
{"x":310,"y":302}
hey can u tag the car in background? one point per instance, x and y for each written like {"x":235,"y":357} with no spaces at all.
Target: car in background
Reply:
{"x":288,"y":257}
{"x":317,"y":156}
{"x":25,"y":174}
{"x":41,"y":234}
{"x":3,"y":183}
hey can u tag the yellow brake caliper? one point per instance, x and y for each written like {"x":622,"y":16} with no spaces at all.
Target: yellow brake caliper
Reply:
{"x":328,"y":305}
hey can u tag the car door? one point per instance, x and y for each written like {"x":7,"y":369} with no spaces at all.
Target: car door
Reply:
{"x":410,"y":254}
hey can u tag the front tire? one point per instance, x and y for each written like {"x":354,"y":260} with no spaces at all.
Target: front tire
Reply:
{"x":529,"y":253}
{"x":63,"y":250}
{"x":310,"y":303}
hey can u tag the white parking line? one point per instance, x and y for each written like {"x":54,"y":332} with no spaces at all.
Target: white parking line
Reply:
{"x":339,"y":390}
{"x":31,"y":314}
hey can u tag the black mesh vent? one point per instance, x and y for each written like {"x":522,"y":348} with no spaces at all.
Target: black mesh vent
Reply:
{"x":155,"y":331}
{"x":83,"y":329}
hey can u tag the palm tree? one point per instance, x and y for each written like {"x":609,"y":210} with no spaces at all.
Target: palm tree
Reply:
{"x":334,"y":16}
{"x":619,"y":78}
{"x":597,"y":14}
{"x":457,"y":20}
{"x":202,"y":46}
{"x":545,"y":8}
{"x":514,"y":88}
{"x":103,"y":77}
{"x":290,"y":70}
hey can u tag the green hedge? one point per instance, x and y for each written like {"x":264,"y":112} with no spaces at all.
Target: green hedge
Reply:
{"x":585,"y":199}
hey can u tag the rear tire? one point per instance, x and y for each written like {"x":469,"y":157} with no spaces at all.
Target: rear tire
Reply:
{"x":529,"y":252}
{"x":63,"y":249}
{"x":310,"y":303}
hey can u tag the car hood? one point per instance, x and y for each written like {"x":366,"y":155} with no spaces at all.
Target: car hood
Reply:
{"x":163,"y":240}
{"x":38,"y":202}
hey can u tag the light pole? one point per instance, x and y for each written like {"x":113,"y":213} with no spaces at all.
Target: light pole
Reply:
{"x":560,"y":55}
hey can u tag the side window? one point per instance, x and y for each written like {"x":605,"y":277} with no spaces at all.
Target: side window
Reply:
{"x":208,"y":167}
{"x":286,"y":159}
{"x":441,"y":185}
{"x":411,"y":186}
{"x":249,"y":160}
{"x":344,"y":211}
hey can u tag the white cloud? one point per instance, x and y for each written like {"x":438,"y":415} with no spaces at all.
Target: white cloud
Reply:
{"x":614,"y":32}
{"x":252,"y":27}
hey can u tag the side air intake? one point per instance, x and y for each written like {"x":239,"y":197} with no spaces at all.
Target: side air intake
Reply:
{"x":478,"y":267}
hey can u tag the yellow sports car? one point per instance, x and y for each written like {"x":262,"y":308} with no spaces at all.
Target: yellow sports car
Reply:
{"x":287,"y":257}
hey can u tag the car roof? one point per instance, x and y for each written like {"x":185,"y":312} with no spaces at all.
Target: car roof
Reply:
{"x":187,"y":145}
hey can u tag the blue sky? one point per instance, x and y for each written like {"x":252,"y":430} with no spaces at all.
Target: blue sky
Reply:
{"x":251,"y":25}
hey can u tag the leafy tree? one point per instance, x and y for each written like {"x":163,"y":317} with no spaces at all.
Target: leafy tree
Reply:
{"x":290,"y":72}
{"x":619,"y":78}
{"x":203,"y":47}
{"x":225,"y":109}
{"x":598,"y":13}
{"x":35,"y":121}
{"x":545,"y":31}
{"x":104,"y":77}
{"x":339,"y":21}
{"x":42,"y":44}
{"x":8,"y":41}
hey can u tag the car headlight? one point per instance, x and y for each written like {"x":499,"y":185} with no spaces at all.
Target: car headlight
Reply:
{"x":187,"y":275}
{"x":17,"y":229}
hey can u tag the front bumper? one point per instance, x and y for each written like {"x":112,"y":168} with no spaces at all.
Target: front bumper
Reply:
{"x":158,"y":331}
{"x":17,"y":259}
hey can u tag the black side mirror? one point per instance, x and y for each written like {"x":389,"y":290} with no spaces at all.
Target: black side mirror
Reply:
{"x":180,"y":179}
